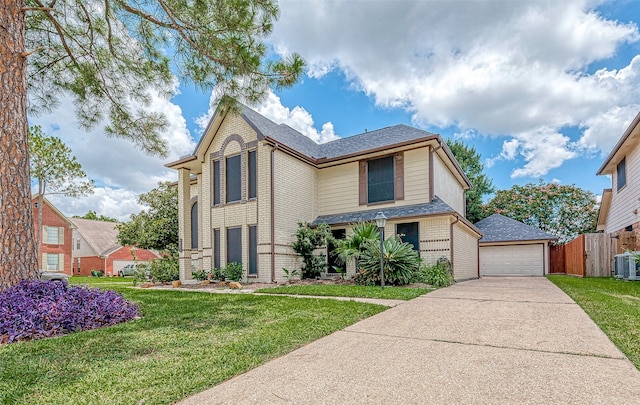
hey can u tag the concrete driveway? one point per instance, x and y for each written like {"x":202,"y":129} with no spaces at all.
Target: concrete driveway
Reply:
{"x":487,"y":341}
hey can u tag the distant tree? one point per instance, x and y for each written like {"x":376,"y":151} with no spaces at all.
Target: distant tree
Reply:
{"x":565,"y":211}
{"x":481,"y":185}
{"x":94,"y":216}
{"x":55,"y":170}
{"x":110,"y":59}
{"x":157,"y":226}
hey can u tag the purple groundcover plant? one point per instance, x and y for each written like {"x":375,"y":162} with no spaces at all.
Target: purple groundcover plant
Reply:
{"x":38,"y":309}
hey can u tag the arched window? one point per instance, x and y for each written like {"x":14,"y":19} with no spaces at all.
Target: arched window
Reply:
{"x":194,"y":225}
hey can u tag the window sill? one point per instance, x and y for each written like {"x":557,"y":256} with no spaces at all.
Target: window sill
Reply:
{"x":380,"y":202}
{"x":622,"y":188}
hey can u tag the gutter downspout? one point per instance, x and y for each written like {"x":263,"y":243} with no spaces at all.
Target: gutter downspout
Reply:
{"x":273,"y":221}
{"x":451,"y":242}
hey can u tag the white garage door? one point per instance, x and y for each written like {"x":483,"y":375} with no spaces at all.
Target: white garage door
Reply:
{"x":119,"y":264}
{"x":512,"y":260}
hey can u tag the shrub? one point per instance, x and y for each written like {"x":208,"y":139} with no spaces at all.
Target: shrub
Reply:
{"x":37,"y":309}
{"x":400,"y":263}
{"x":162,"y":270}
{"x":233,"y":271}
{"x":201,"y":274}
{"x":438,"y":275}
{"x":218,"y":274}
{"x":308,"y":239}
{"x":97,"y":273}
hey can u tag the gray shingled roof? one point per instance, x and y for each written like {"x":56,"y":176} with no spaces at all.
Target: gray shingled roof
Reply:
{"x":102,"y":236}
{"x":498,"y":228}
{"x":340,"y":147}
{"x":436,"y":206}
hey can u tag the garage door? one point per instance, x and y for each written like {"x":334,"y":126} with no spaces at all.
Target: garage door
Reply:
{"x":119,"y":264}
{"x":512,"y":260}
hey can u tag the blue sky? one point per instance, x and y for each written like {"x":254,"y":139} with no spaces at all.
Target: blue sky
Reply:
{"x":542,"y":89}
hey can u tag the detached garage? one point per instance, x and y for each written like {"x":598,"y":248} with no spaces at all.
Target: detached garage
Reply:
{"x":511,"y":248}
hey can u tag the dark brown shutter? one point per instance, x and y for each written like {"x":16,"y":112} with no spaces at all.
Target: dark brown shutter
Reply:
{"x":362,"y":182}
{"x":399,"y":180}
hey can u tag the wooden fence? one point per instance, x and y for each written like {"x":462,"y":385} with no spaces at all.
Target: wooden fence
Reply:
{"x":589,"y":255}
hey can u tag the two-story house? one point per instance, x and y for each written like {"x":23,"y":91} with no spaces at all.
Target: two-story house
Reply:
{"x":250,"y":181}
{"x":620,"y":206}
{"x":96,"y":247}
{"x":55,"y":238}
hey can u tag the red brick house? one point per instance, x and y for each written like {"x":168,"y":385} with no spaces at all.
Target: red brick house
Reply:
{"x":95,"y":247}
{"x":55,"y":238}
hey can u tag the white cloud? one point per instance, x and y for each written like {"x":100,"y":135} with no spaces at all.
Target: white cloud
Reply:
{"x":297,"y":118}
{"x":121,"y":170}
{"x":500,"y":68}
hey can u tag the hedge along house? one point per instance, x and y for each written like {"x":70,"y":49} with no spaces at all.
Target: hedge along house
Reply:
{"x":250,"y":181}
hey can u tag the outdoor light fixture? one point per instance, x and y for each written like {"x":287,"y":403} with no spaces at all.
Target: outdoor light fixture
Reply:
{"x":381,"y":221}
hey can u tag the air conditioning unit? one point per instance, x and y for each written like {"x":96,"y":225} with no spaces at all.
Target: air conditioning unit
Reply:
{"x":620,"y":263}
{"x":626,"y":267}
{"x":634,"y":269}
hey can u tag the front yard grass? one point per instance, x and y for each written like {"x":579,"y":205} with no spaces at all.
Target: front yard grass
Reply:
{"x":97,"y":281}
{"x":184,"y":344}
{"x":614,"y":305}
{"x":341,"y":290}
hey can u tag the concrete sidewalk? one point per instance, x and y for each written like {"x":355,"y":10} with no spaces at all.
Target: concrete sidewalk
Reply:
{"x":488,"y":341}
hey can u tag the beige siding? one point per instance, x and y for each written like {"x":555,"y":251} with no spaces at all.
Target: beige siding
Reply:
{"x":338,"y":189}
{"x":294,"y":201}
{"x":465,"y":253}
{"x":338,"y":185}
{"x":435,"y":239}
{"x":625,"y":201}
{"x":446,"y":186}
{"x":416,"y":176}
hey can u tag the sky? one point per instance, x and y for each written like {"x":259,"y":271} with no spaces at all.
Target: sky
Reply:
{"x":541,"y":89}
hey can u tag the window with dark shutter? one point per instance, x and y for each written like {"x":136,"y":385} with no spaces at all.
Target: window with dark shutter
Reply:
{"x":233,"y":175}
{"x":380,"y":180}
{"x":234,"y":245}
{"x":253,"y":250}
{"x":216,"y":182}
{"x":252,"y":174}
{"x":621,"y":173}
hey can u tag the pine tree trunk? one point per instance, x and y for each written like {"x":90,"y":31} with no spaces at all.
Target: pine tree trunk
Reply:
{"x":18,"y":258}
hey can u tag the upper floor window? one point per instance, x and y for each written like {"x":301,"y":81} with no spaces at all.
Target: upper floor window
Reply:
{"x":621,"y":173}
{"x":252,"y":174}
{"x":380,"y":180}
{"x":77,"y":243}
{"x":53,"y":235}
{"x":233,"y":174}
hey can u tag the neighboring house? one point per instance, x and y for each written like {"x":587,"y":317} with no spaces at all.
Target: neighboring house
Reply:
{"x":511,"y":248}
{"x":95,"y":247}
{"x":619,"y":213}
{"x":255,"y":180}
{"x":55,"y":238}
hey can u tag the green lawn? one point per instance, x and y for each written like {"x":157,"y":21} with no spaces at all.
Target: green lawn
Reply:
{"x":613,"y":304}
{"x":341,"y":290}
{"x":185,"y":342}
{"x":97,"y":281}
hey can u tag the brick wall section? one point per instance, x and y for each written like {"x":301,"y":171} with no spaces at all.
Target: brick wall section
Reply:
{"x":52,"y":218}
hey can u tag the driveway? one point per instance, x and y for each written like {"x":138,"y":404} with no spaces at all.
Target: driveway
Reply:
{"x":487,"y":341}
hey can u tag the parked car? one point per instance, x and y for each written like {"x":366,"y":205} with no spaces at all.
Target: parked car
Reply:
{"x":128,"y":270}
{"x":53,"y":276}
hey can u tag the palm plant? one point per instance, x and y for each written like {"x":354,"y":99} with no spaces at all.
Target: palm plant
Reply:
{"x":350,"y":249}
{"x":401,"y":262}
